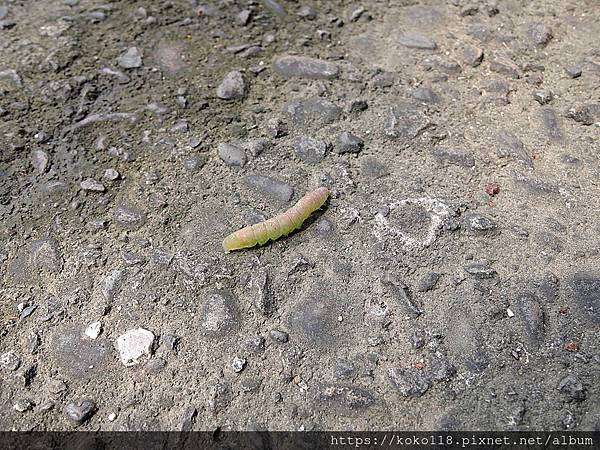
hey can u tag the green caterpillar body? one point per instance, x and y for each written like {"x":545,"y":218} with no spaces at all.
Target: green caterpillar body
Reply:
{"x":280,"y":225}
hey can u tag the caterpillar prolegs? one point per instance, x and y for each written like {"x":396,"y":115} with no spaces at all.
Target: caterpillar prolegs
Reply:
{"x":280,"y":225}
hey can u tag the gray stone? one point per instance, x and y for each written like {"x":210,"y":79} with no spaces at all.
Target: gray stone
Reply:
{"x":232,"y":155}
{"x":279,"y":336}
{"x":439,"y":367}
{"x":586,"y":293}
{"x":45,"y":255}
{"x":254,"y":344}
{"x":80,"y":411}
{"x":573,"y":71}
{"x":405,"y":122}
{"x":155,"y":365}
{"x":511,"y":146}
{"x":131,"y":59}
{"x":539,"y":33}
{"x":77,"y":354}
{"x":89,"y":184}
{"x":357,"y":106}
{"x":572,"y":388}
{"x":348,"y":143}
{"x":457,"y":156}
{"x":219,"y":314}
{"x":133,"y":345}
{"x":243,"y":17}
{"x":23,"y":405}
{"x":481,"y":270}
{"x":129,"y":217}
{"x":276,"y":189}
{"x":276,"y":128}
{"x":428,"y":282}
{"x":40,"y":160}
{"x":416,"y":40}
{"x":304,"y":67}
{"x":411,"y":382}
{"x":585,"y":114}
{"x":346,"y":396}
{"x":307,"y":12}
{"x":111,"y":284}
{"x":532,"y":316}
{"x":310,"y":150}
{"x":3,"y":11}
{"x":256,"y":146}
{"x":402,"y":294}
{"x":313,"y":319}
{"x":505,"y":66}
{"x":425,"y":95}
{"x":552,"y":125}
{"x":543,"y":97}
{"x":313,"y":112}
{"x":232,"y":87}
{"x":473,"y":56}
{"x":343,"y":369}
{"x":220,"y":396}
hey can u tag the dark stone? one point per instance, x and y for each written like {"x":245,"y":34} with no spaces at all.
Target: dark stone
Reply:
{"x":279,"y":336}
{"x":411,"y":382}
{"x":404,"y":122}
{"x":543,"y":97}
{"x":348,"y":143}
{"x":343,"y":369}
{"x":416,"y":40}
{"x":481,"y":270}
{"x":505,"y":66}
{"x":358,"y":106}
{"x":347,"y":396}
{"x":572,"y":388}
{"x":439,"y":368}
{"x":552,"y":125}
{"x":401,"y":293}
{"x":219,"y":314}
{"x":428,"y":282}
{"x":532,"y":316}
{"x":314,"y":318}
{"x":511,"y":145}
{"x":78,"y":355}
{"x":313,"y":112}
{"x":586,"y":114}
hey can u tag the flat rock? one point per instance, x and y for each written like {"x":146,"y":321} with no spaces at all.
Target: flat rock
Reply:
{"x":410,"y":382}
{"x":411,"y":39}
{"x":310,"y":150}
{"x":78,"y":355}
{"x":312,"y":112}
{"x":232,"y":87}
{"x":219,"y":313}
{"x":572,"y":388}
{"x":539,"y":33}
{"x":134,"y":344}
{"x":457,"y":156}
{"x":232,"y":155}
{"x":304,"y":67}
{"x":346,"y":396}
{"x":532,"y":316}
{"x":277,"y":189}
{"x":348,"y":143}
{"x":131,"y":59}
{"x":129,"y":217}
{"x":81,"y":411}
{"x":40,"y":160}
{"x":89,"y":184}
{"x":404,"y":122}
{"x":509,"y":145}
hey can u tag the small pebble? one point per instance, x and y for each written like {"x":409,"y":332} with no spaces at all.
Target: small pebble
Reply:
{"x":238,"y":364}
{"x":573,"y":71}
{"x":89,"y":184}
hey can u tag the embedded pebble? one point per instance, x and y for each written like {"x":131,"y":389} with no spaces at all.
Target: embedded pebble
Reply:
{"x":89,"y":184}
{"x":572,"y":388}
{"x":232,"y":87}
{"x":573,"y":71}
{"x":93,"y":330}
{"x":348,"y":143}
{"x":133,"y":345}
{"x":129,"y":217}
{"x":81,"y":411}
{"x":238,"y":364}
{"x":131,"y":59}
{"x":310,"y":150}
{"x":416,"y":40}
{"x":279,"y":336}
{"x":304,"y":67}
{"x":40,"y":160}
{"x":232,"y":155}
{"x":274,"y":188}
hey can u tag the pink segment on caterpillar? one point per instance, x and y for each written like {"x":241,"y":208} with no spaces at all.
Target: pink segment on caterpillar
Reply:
{"x":280,"y":225}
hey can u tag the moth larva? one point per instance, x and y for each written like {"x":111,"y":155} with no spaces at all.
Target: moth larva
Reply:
{"x":280,"y":225}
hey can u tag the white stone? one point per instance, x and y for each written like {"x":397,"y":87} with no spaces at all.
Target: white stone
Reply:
{"x":112,"y":417}
{"x":93,"y":330}
{"x":509,"y":312}
{"x":133,"y":345}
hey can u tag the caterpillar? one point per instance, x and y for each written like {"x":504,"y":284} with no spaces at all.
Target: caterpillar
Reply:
{"x":280,"y":225}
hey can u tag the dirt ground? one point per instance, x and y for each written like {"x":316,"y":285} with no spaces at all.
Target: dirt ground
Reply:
{"x":452,"y":280}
